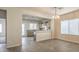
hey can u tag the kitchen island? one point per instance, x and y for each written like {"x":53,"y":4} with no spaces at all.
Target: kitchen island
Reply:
{"x":43,"y":35}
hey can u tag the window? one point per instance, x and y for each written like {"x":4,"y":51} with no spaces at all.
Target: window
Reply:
{"x":23,"y":29}
{"x":70,"y":27}
{"x":74,"y":27}
{"x":64,"y":27}
{"x":0,"y":28}
{"x":33,"y":26}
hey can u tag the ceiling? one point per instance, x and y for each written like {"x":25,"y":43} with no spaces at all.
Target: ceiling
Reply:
{"x":64,"y":10}
{"x":34,"y":18}
{"x":50,"y":11}
{"x":46,"y":12}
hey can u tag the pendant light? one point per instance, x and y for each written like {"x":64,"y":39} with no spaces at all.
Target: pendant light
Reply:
{"x":56,"y":16}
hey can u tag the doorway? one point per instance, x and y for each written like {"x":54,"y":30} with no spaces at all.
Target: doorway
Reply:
{"x":3,"y":27}
{"x":30,"y":25}
{"x":28,"y":29}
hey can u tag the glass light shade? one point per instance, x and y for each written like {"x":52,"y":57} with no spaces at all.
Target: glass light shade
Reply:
{"x":57,"y":17}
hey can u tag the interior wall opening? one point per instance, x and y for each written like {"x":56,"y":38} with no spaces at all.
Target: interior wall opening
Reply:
{"x":31,"y":25}
{"x":3,"y":20}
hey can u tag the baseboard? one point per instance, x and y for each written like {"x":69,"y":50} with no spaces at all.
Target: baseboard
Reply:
{"x":10,"y":46}
{"x":67,"y":40}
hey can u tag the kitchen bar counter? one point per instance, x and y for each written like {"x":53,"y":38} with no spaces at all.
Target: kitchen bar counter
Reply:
{"x":43,"y":35}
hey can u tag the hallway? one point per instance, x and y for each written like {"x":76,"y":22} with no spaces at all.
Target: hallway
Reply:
{"x":55,"y":45}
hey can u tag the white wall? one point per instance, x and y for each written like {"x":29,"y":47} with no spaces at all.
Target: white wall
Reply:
{"x":14,"y":23}
{"x":13,"y":27}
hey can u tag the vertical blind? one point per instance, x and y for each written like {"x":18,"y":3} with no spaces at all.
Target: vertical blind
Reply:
{"x":70,"y":27}
{"x":70,"y":23}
